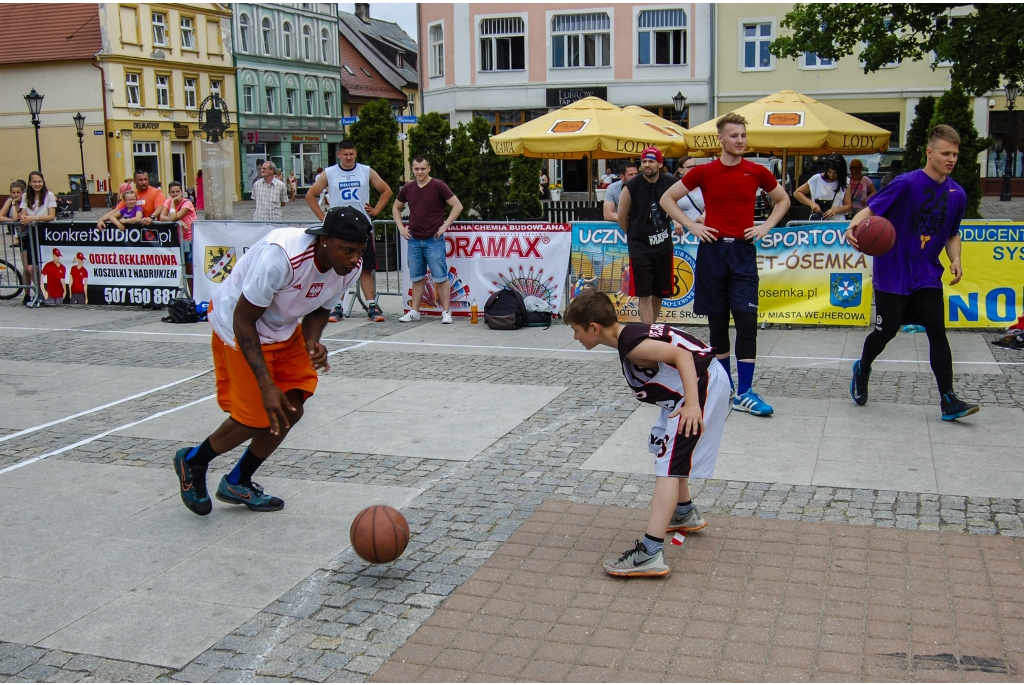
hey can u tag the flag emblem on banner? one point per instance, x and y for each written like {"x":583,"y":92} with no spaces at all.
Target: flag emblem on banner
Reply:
{"x":845,"y":290}
{"x":218,"y":262}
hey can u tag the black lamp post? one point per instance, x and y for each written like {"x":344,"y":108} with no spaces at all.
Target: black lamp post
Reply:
{"x":679,"y":103}
{"x":1012,"y":91}
{"x":84,"y":189}
{"x":35,"y":105}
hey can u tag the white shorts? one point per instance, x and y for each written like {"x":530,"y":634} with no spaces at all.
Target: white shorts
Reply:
{"x":677,"y":456}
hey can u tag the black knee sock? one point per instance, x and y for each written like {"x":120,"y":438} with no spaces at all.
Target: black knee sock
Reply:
{"x":941,"y":359}
{"x":245,"y":468}
{"x":201,"y":456}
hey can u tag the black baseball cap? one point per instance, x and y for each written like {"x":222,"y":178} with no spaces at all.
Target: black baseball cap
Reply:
{"x":344,"y":223}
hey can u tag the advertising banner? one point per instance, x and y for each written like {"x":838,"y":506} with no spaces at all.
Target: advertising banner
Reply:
{"x":485,"y":257}
{"x":991,"y":293}
{"x":216,"y":248}
{"x":137,"y":265}
{"x":808,"y":274}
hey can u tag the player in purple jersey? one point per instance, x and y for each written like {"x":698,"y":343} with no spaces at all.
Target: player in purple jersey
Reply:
{"x":925,"y":207}
{"x":672,"y":369}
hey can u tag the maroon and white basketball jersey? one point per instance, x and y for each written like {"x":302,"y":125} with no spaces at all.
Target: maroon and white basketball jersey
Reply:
{"x":663,"y":387}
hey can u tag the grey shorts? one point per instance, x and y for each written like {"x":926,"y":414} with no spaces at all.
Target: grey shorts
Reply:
{"x":77,"y":298}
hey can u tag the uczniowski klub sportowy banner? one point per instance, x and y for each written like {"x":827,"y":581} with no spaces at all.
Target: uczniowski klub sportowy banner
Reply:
{"x":485,"y":257}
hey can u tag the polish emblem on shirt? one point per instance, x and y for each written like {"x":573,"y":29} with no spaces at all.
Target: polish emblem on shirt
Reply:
{"x":314,"y":290}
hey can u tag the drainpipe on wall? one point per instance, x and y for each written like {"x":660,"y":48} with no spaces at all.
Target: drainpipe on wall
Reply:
{"x":713,"y":81}
{"x":106,"y":133}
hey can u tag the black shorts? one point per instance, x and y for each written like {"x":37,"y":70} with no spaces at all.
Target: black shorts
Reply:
{"x":369,"y":254}
{"x":28,"y":257}
{"x":726,"y":277}
{"x":651,"y":276}
{"x":925,"y":307}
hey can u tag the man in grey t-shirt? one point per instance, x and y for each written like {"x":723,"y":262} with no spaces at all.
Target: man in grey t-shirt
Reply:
{"x":614,"y":191}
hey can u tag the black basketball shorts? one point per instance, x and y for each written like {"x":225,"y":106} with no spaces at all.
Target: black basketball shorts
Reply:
{"x":726,"y":277}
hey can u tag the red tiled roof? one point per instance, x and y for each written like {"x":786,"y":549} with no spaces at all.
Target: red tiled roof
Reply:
{"x":358,"y":83}
{"x":45,"y":32}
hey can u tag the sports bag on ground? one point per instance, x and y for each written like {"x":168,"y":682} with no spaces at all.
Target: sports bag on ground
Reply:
{"x":505,"y":310}
{"x":181,"y":310}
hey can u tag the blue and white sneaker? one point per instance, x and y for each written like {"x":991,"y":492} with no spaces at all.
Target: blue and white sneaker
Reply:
{"x":251,"y":496}
{"x":859,"y":384}
{"x":954,"y":408}
{"x":752,"y":403}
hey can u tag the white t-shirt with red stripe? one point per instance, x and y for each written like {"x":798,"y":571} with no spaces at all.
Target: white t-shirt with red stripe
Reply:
{"x":279,"y":273}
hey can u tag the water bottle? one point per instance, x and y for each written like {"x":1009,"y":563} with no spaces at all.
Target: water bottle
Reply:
{"x":474,"y":313}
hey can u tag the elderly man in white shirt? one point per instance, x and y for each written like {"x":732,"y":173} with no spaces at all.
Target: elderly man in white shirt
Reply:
{"x":270,"y":194}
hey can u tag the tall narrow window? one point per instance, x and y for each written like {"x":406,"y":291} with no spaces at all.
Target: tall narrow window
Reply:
{"x":159,"y":29}
{"x":190,"y":92}
{"x":271,"y":93}
{"x":163,"y":91}
{"x":247,"y":99}
{"x":756,"y":39}
{"x":288,"y":39}
{"x":581,"y":40}
{"x":215,"y":87}
{"x":188,"y":34}
{"x":325,"y":45}
{"x":243,"y":32}
{"x":268,"y":36}
{"x":310,"y":102}
{"x":289,"y":101}
{"x":502,"y":44}
{"x":328,"y":99}
{"x":307,"y":43}
{"x":436,"y":36}
{"x":131,"y":89}
{"x":661,"y":37}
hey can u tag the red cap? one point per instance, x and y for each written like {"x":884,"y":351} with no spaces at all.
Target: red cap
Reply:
{"x":80,"y":256}
{"x":56,"y":252}
{"x":652,"y":153}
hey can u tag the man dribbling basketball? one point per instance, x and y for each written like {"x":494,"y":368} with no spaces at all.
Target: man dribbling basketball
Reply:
{"x":265,"y":361}
{"x":925,"y":208}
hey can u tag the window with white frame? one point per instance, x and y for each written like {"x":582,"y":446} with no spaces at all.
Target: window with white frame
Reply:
{"x":328,"y":100}
{"x":215,"y":87}
{"x":502,"y":44}
{"x":267,"y":28}
{"x":131,"y":88}
{"x":188,"y":33}
{"x":581,"y":40}
{"x":435,"y":35}
{"x":289,"y":101}
{"x":310,"y":102}
{"x":243,"y":32}
{"x":661,"y":37}
{"x":271,"y":94}
{"x":289,"y":38}
{"x":247,"y":95}
{"x":307,"y":43}
{"x":756,"y":39}
{"x":325,"y":45}
{"x":159,"y":29}
{"x":812,"y":60}
{"x":163,"y":90}
{"x":190,"y":92}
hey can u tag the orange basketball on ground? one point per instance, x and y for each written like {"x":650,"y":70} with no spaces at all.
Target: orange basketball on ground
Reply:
{"x":379,"y":534}
{"x":875,"y":236}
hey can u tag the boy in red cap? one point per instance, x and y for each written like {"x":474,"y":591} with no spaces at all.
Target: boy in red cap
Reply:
{"x":79,"y":275}
{"x":649,"y":234}
{"x":54,"y":272}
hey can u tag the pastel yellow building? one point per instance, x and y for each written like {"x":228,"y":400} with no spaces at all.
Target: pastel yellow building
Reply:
{"x":160,"y":61}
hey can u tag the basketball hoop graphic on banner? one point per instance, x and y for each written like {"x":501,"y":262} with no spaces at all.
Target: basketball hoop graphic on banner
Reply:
{"x":784,"y":119}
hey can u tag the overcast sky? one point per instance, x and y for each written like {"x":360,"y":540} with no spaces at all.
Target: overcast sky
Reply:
{"x":402,"y":13}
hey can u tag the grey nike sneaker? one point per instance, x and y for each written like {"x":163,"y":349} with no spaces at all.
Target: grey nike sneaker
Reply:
{"x":637,"y":562}
{"x":252,"y":496}
{"x":689,"y":523}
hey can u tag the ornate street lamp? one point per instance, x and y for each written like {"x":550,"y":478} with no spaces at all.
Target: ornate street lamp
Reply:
{"x":679,"y":103}
{"x":1012,"y":91}
{"x":35,"y":105}
{"x":84,"y":188}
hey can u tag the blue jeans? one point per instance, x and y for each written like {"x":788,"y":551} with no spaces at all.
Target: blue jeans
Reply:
{"x":424,"y":253}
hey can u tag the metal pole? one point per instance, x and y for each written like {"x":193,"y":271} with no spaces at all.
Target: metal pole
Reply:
{"x":84,"y":189}
{"x":39,"y":158}
{"x":1009,"y":148}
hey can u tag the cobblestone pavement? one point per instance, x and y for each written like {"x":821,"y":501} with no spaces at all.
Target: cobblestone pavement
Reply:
{"x":346,"y":619}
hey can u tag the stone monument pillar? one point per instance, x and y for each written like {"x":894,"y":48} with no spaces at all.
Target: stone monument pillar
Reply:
{"x":218,"y":178}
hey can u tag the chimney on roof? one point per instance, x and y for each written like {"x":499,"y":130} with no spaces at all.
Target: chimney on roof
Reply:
{"x":363,"y":12}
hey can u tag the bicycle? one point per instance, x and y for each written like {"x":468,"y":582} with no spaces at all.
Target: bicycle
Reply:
{"x":11,"y":279}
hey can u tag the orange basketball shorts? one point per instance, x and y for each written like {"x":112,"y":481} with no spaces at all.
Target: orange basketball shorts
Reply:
{"x":237,"y":391}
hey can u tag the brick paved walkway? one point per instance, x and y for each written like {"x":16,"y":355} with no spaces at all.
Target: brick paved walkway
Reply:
{"x":748,"y":600}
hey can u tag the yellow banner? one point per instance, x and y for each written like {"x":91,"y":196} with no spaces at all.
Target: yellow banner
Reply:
{"x":991,"y":293}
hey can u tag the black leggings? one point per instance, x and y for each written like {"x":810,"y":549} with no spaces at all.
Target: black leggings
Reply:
{"x":746,"y":333}
{"x":924,"y":307}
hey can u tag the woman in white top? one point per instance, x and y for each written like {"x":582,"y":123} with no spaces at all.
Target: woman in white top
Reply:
{"x":38,"y":205}
{"x":825,"y":193}
{"x":693,"y":203}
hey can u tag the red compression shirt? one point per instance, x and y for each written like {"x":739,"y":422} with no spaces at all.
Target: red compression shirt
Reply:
{"x":729,"y":193}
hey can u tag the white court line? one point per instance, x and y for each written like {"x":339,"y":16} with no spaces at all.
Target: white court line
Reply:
{"x":105,"y":433}
{"x":480,"y":347}
{"x":97,"y":330}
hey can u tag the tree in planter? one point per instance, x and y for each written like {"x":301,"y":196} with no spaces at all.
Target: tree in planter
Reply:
{"x":917,"y":137}
{"x":525,"y":187}
{"x":376,"y":139}
{"x":955,"y":109}
{"x":475,"y":174}
{"x":431,"y":138}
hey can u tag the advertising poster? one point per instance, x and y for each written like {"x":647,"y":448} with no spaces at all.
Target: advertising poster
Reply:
{"x":137,"y":265}
{"x":216,"y":248}
{"x":485,"y":257}
{"x":808,"y":275}
{"x":991,"y":293}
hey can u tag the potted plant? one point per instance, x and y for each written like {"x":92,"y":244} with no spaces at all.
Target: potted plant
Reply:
{"x":556,"y":191}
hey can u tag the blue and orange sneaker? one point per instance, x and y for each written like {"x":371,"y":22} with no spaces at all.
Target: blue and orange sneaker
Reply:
{"x":192,"y":484}
{"x":251,"y":495}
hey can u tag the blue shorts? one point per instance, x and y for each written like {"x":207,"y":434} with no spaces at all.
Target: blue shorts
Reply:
{"x":428,"y":253}
{"x":726,"y":277}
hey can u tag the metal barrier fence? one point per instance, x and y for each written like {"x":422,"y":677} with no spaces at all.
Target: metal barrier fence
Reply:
{"x":566,"y":211}
{"x":13,"y":277}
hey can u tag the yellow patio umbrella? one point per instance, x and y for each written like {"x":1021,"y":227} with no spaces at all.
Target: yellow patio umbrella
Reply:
{"x":678,"y":148}
{"x":589,"y":127}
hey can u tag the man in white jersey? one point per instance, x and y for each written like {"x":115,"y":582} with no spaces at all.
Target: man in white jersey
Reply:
{"x":348,"y":185}
{"x":264,"y":359}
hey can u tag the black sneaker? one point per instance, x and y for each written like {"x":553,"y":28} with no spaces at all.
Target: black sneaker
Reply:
{"x":250,"y":495}
{"x":954,"y":408}
{"x":374,"y":313}
{"x":192,"y":484}
{"x":859,"y":384}
{"x":337,"y":314}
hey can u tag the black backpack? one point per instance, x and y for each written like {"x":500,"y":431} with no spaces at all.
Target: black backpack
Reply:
{"x":181,"y":310}
{"x":505,"y":310}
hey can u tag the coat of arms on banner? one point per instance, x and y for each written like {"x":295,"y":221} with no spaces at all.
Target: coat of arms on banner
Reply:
{"x":845,"y":290}
{"x":218,"y":262}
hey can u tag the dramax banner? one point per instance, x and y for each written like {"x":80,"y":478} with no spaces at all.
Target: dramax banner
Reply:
{"x":485,"y":257}
{"x":991,"y":293}
{"x":809,"y":274}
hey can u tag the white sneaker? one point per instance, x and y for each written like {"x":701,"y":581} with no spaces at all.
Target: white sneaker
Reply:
{"x":411,"y":316}
{"x":446,"y":317}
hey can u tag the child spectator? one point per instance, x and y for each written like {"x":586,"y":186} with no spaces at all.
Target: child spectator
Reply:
{"x":131,"y":213}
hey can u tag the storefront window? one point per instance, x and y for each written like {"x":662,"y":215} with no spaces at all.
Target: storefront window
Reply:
{"x":305,"y":161}
{"x":504,"y":120}
{"x":1004,"y":139}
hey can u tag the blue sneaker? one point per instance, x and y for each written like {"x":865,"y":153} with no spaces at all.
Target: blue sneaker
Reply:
{"x":954,"y":408}
{"x":251,"y":496}
{"x":753,"y":403}
{"x":192,"y":484}
{"x":859,"y":384}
